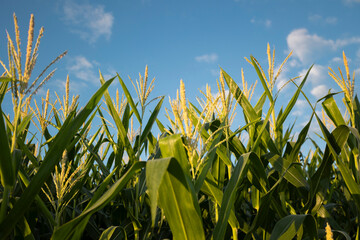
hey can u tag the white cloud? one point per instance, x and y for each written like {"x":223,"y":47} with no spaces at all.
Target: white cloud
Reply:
{"x":80,"y":62}
{"x":317,"y":74}
{"x":87,"y":72}
{"x":320,"y":91}
{"x":83,"y":69}
{"x":207,"y":58}
{"x":337,"y":60}
{"x":299,"y":108}
{"x":89,"y":21}
{"x":306,"y":47}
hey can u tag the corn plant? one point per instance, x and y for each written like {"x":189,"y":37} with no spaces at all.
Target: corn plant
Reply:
{"x":204,"y":177}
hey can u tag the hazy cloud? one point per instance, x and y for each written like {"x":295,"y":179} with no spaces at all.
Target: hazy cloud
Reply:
{"x":267,"y":22}
{"x":320,"y":19}
{"x":80,"y":62}
{"x":358,"y":53}
{"x":357,"y":73}
{"x":337,"y":60}
{"x":320,"y":91}
{"x":83,"y":69}
{"x":348,"y":2}
{"x":215,"y":72}
{"x":75,"y":86}
{"x":207,"y":58}
{"x":299,"y":108}
{"x":88,"y":21}
{"x":280,"y":82}
{"x":307,"y":46}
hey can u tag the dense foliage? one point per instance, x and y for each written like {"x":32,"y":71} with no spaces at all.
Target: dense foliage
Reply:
{"x":63,"y":178}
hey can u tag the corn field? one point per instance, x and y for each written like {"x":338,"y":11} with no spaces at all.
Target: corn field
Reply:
{"x":192,"y":177}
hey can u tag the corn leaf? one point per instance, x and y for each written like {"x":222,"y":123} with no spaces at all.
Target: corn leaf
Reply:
{"x":129,"y":98}
{"x":6,"y":166}
{"x":280,"y":121}
{"x":211,"y":189}
{"x":76,"y":226}
{"x":292,"y":173}
{"x":240,"y":98}
{"x":124,"y":140}
{"x":176,"y":194}
{"x":230,"y":193}
{"x":155,"y":171}
{"x":62,"y":139}
{"x":262,"y":80}
{"x":333,"y":111}
{"x":290,"y":225}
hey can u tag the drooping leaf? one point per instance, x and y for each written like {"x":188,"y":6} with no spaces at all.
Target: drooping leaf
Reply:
{"x":230,"y":193}
{"x":176,"y":195}
{"x":290,"y":225}
{"x":76,"y":226}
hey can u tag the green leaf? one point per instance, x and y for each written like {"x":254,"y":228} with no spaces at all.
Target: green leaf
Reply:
{"x":262,"y":129}
{"x":320,"y":181}
{"x":101,"y":189}
{"x":155,"y":171}
{"x":290,"y":225}
{"x":335,"y":142}
{"x":24,"y":123}
{"x":211,"y":189}
{"x":6,"y":166}
{"x":257,"y":175}
{"x":333,"y":111}
{"x":240,"y":97}
{"x":176,"y":195}
{"x":292,"y":173}
{"x":356,"y":106}
{"x":77,"y":225}
{"x":107,"y":233}
{"x":178,"y":200}
{"x":3,"y":89}
{"x":129,"y":98}
{"x":5,"y":79}
{"x":52,"y":157}
{"x":209,"y":159}
{"x":292,"y":102}
{"x":160,"y":126}
{"x":263,"y":82}
{"x":124,"y":140}
{"x":293,"y":156}
{"x":260,"y":104}
{"x":151,"y":121}
{"x":229,"y":195}
{"x":172,"y":146}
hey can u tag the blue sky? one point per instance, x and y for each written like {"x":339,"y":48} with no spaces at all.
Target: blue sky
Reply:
{"x":189,"y":40}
